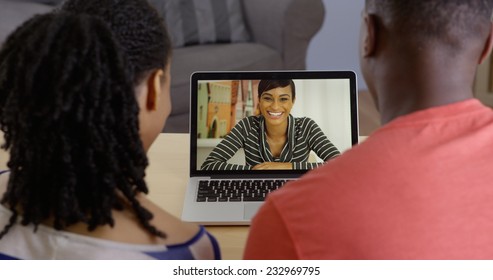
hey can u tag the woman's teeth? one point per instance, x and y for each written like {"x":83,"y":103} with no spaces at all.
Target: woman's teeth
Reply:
{"x":275,"y":114}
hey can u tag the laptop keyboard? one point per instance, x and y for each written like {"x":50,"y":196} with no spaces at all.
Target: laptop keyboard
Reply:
{"x":236,"y":190}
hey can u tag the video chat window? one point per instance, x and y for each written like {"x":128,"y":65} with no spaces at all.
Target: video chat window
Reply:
{"x":223,"y":104}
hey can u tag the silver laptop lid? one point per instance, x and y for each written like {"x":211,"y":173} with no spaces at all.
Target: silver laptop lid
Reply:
{"x":221,"y":100}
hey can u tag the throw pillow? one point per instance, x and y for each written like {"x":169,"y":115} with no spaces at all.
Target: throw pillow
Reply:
{"x":192,"y":22}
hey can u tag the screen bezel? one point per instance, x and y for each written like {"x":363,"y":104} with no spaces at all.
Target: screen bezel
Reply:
{"x":259,"y":75}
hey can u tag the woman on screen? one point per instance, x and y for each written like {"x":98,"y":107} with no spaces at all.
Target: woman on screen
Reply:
{"x":84,"y":92}
{"x":274,"y":139}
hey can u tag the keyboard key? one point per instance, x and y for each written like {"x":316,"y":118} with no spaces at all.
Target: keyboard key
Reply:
{"x":254,"y":198}
{"x":236,"y":190}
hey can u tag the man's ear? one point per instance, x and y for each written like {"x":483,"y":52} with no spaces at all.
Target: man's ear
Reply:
{"x":488,"y":45}
{"x":369,"y":34}
{"x":153,"y":89}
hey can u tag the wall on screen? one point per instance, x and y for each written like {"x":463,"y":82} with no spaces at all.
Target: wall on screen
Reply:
{"x":328,"y":104}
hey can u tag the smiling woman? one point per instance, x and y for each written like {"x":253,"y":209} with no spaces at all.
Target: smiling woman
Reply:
{"x":274,"y":139}
{"x":276,"y":98}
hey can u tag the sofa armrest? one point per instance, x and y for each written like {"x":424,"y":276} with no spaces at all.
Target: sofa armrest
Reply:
{"x":286,"y":26}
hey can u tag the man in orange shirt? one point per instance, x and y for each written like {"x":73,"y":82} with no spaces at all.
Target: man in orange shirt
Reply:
{"x":420,"y":187}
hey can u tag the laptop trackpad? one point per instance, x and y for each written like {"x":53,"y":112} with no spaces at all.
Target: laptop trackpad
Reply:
{"x":251,"y":209}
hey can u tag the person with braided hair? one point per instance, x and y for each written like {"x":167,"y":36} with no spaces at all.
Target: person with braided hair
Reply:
{"x":84,"y":91}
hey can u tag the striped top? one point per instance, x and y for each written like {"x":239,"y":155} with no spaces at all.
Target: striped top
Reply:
{"x":304,"y":135}
{"x":21,"y":242}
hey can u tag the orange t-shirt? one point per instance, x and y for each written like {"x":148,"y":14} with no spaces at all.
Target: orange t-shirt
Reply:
{"x":421,"y":187}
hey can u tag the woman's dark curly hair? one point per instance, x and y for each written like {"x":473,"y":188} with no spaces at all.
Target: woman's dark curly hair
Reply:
{"x":136,"y":25}
{"x":70,"y":115}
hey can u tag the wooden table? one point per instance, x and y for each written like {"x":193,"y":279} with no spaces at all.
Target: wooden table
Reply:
{"x":167,"y":177}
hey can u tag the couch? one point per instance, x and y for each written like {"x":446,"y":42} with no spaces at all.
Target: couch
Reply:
{"x":280,"y":31}
{"x":15,"y":12}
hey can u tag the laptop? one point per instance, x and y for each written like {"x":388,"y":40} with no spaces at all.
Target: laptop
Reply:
{"x":230,"y":193}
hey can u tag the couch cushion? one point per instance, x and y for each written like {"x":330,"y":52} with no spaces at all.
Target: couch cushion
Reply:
{"x":224,"y":57}
{"x":192,"y":22}
{"x":13,"y":13}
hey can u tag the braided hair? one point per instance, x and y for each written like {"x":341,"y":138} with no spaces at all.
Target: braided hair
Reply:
{"x":136,"y":25}
{"x":70,"y":120}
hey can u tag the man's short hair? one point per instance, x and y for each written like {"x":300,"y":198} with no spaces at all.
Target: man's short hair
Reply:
{"x":451,"y":22}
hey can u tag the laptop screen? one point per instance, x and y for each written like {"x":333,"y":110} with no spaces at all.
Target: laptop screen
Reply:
{"x":270,"y":122}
